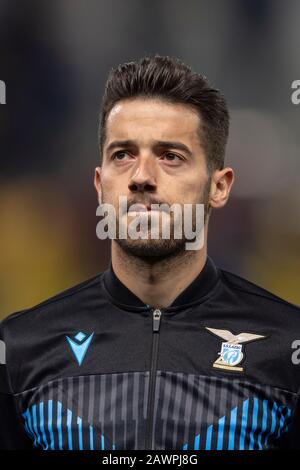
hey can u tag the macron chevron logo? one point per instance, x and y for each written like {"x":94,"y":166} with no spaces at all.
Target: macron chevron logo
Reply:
{"x":79,"y":345}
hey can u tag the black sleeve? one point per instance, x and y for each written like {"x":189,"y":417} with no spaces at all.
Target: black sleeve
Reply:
{"x":12,"y":433}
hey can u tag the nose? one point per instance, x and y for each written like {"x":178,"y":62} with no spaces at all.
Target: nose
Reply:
{"x":143,"y":179}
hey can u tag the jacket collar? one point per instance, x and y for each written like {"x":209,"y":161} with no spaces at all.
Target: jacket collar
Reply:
{"x":194,"y":292}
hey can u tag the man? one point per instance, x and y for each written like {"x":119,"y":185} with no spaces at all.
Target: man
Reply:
{"x":163,"y":350}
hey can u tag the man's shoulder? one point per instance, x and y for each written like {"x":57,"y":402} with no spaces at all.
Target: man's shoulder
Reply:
{"x":58,"y":302}
{"x":256,"y":293}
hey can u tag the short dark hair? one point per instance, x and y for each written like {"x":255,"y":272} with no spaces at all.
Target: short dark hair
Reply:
{"x":170,"y":79}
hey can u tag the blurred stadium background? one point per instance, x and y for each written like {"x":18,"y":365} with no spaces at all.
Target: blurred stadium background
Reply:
{"x":54,"y":58}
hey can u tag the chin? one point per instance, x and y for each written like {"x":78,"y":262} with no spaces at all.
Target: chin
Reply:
{"x":147,"y":249}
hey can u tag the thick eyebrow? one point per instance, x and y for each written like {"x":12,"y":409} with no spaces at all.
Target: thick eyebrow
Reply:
{"x":173,"y":145}
{"x":157,"y":143}
{"x":120,"y":143}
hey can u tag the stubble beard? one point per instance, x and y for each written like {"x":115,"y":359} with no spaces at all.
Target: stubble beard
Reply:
{"x":153,"y":250}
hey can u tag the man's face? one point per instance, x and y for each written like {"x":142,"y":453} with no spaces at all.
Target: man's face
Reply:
{"x":152,"y":154}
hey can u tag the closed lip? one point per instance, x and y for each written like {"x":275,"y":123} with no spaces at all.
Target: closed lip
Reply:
{"x":141,"y":208}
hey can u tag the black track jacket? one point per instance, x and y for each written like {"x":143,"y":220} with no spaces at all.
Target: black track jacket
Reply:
{"x":95,"y":368}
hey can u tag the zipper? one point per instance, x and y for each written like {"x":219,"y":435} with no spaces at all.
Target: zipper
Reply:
{"x":156,"y":315}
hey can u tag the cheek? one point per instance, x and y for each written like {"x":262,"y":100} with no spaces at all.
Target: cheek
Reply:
{"x":194,"y":183}
{"x":109,"y":182}
{"x":112,"y":189}
{"x":187,"y":191}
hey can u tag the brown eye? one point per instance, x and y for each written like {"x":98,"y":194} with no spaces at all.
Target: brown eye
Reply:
{"x":119,"y":156}
{"x":170,"y":156}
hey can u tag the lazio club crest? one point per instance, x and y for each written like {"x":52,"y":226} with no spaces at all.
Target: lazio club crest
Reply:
{"x":231,"y":353}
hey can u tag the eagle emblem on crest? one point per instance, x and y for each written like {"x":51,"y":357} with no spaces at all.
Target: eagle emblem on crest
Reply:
{"x":231,"y":353}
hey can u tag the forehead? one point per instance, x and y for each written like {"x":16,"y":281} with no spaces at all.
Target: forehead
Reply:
{"x":153,"y":119}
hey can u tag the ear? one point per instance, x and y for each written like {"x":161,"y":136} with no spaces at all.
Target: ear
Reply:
{"x":221,"y":184}
{"x":97,"y":183}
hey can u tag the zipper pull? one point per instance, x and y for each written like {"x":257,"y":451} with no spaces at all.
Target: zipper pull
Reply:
{"x":156,"y":319}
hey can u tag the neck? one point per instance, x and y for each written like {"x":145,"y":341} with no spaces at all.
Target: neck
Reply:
{"x":157,"y":283}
